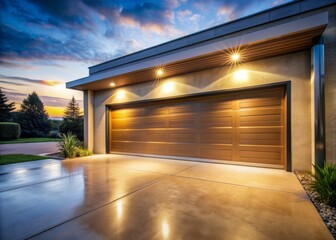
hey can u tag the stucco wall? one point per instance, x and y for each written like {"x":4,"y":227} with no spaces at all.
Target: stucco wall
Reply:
{"x":294,"y":67}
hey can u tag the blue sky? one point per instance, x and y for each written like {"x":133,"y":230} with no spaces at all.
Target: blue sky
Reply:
{"x":45,"y":43}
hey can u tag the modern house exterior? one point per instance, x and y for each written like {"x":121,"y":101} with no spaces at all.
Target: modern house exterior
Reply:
{"x":260,"y":90}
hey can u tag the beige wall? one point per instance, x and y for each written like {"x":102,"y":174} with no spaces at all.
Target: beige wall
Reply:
{"x":88,"y":118}
{"x":294,"y":67}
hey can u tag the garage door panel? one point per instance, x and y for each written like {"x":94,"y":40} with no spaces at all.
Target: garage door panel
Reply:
{"x":216,"y":105}
{"x":183,"y":121}
{"x":128,"y":136}
{"x":264,"y":117}
{"x":157,"y":148}
{"x":245,"y":127}
{"x":255,"y":96}
{"x":219,"y":138}
{"x":183,"y":108}
{"x":260,"y":136}
{"x":260,"y":103}
{"x":183,"y":150}
{"x":127,"y":124}
{"x":220,"y":152}
{"x":156,"y":122}
{"x":156,"y":110}
{"x":127,"y":113}
{"x":127,"y":146}
{"x":183,"y":137}
{"x":216,"y":122}
{"x":157,"y":136}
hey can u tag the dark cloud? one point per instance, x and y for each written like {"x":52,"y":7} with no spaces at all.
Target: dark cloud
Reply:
{"x":14,"y":80}
{"x":148,"y":13}
{"x":18,"y":45}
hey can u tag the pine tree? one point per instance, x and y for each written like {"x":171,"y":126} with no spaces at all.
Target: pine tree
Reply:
{"x":73,"y":120}
{"x":33,"y":118}
{"x":5,"y":108}
{"x":72,"y":111}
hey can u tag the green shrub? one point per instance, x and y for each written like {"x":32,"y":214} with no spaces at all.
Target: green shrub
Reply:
{"x":9,"y":130}
{"x":82,"y":152}
{"x":71,"y":147}
{"x":68,"y":145}
{"x":324,"y":183}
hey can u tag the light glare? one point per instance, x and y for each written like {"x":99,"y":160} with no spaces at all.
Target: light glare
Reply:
{"x":235,"y":57}
{"x":168,"y":87}
{"x":120,"y":94}
{"x":112,"y":84}
{"x":165,"y":230}
{"x":159,"y":72}
{"x":240,"y":75}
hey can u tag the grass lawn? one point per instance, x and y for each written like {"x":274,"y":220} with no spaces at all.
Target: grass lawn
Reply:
{"x":17,"y":158}
{"x":30,"y":140}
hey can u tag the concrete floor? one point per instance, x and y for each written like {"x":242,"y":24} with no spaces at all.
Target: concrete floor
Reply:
{"x":123,"y":197}
{"x":29,"y":148}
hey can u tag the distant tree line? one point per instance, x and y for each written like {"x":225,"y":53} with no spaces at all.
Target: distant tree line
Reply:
{"x":35,"y":121}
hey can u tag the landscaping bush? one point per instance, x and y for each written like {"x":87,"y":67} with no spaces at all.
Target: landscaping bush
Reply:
{"x":71,"y":147}
{"x":82,"y":152}
{"x":324,"y":183}
{"x":9,"y":130}
{"x":68,"y":145}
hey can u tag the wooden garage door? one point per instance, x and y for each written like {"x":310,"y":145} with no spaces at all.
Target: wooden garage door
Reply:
{"x":243,"y":127}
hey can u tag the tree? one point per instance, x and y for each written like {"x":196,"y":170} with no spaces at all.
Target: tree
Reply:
{"x":5,"y":108}
{"x":73,"y":120}
{"x":33,"y":118}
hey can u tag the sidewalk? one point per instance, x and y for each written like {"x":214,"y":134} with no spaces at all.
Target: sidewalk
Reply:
{"x":28,"y":148}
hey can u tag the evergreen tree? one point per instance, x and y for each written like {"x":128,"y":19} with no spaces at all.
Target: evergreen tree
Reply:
{"x":72,"y":111}
{"x":33,"y":118}
{"x":73,"y":120}
{"x":5,"y":108}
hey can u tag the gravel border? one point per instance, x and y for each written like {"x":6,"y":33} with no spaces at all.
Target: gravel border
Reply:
{"x":327,"y":213}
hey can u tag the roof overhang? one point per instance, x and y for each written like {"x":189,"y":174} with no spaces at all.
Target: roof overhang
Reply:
{"x":267,"y":42}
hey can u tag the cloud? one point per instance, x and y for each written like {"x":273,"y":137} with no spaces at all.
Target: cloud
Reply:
{"x":151,"y":17}
{"x":47,"y":100}
{"x":7,"y":89}
{"x":13,"y":80}
{"x":13,"y":83}
{"x":41,"y":32}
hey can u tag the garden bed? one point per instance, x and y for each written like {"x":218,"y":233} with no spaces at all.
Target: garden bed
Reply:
{"x":327,"y":213}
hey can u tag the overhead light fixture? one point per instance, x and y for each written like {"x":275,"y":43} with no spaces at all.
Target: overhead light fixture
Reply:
{"x":235,"y":57}
{"x":159,"y":72}
{"x":112,"y":84}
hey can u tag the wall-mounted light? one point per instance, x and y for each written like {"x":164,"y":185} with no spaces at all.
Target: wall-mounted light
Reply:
{"x":112,"y":84}
{"x":240,"y":75}
{"x":120,"y":94}
{"x":168,"y":87}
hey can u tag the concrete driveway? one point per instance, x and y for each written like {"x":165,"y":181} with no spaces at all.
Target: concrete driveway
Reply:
{"x":29,"y":148}
{"x":123,"y":197}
